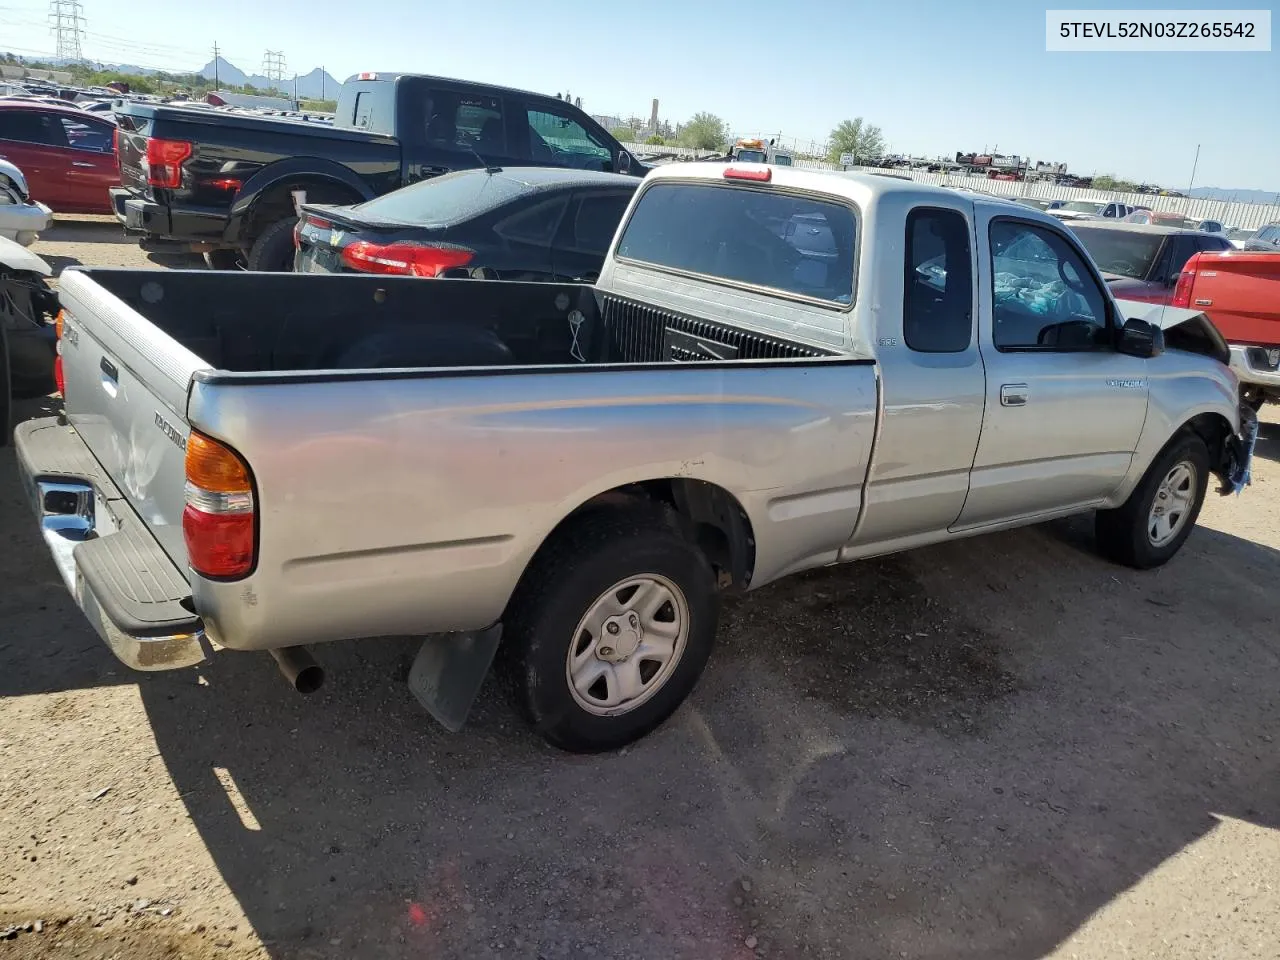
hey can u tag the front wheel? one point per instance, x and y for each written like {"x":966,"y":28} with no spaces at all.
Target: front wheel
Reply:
{"x":610,"y":629}
{"x":1151,"y":526}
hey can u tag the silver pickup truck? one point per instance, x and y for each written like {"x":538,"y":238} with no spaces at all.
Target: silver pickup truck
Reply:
{"x":777,"y":370}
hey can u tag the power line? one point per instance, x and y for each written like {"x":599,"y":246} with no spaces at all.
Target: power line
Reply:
{"x":66,"y":22}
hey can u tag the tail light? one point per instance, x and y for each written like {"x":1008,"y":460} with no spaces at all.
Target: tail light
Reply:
{"x":115,"y":144}
{"x":404,"y":259}
{"x":220,"y":518}
{"x":1186,"y":280}
{"x":164,"y":162}
{"x":58,"y":379}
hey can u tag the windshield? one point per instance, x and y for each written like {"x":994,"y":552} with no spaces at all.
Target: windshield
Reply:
{"x":442,"y":200}
{"x":751,"y":156}
{"x":1124,"y":252}
{"x":796,"y":244}
{"x":782,"y":160}
{"x":1083,"y":206}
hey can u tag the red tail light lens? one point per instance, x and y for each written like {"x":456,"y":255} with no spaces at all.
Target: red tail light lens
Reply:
{"x":164,"y":162}
{"x":219,"y":522}
{"x":115,"y":144}
{"x":1182,"y":292}
{"x":404,"y":259}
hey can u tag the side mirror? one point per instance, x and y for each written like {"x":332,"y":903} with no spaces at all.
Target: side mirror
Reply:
{"x":624,"y":162}
{"x":1141,"y":339}
{"x":1173,"y":279}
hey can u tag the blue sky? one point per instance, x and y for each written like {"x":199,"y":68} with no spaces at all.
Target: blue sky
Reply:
{"x":937,"y":77}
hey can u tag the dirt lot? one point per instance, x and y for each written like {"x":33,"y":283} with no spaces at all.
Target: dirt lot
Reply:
{"x":1000,"y":748}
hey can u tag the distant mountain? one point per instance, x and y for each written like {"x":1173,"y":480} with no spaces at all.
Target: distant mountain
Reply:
{"x":316,"y":85}
{"x":1236,"y":196}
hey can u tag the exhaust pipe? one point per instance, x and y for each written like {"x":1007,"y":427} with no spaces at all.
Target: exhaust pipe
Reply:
{"x":299,"y":668}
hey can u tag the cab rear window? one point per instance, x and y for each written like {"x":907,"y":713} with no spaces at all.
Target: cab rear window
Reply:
{"x":797,"y":245}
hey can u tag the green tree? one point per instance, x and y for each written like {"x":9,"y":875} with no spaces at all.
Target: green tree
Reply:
{"x":656,"y":141}
{"x":856,"y":136}
{"x":705,"y":131}
{"x":623,"y":134}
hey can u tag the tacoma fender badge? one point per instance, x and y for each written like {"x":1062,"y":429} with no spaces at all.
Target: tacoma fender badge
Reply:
{"x":1127,"y":384}
{"x":170,"y":431}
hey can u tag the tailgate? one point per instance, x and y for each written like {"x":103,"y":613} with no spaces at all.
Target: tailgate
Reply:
{"x":1241,"y":294}
{"x":126,"y":395}
{"x":131,"y":150}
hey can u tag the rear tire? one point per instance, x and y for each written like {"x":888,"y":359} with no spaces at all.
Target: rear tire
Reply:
{"x":273,"y":251}
{"x":592,"y":672}
{"x":224,"y":260}
{"x":1151,"y":526}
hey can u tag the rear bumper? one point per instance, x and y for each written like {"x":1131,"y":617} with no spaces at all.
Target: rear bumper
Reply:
{"x":126,"y":586}
{"x":165,"y":222}
{"x":1253,"y":366}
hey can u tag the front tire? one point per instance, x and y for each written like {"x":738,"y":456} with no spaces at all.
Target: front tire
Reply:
{"x":1151,"y":526}
{"x":273,"y":251}
{"x":610,"y":629}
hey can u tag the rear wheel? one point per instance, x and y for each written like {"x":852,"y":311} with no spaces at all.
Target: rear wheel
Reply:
{"x":273,"y":251}
{"x":610,"y":629}
{"x":1151,"y":526}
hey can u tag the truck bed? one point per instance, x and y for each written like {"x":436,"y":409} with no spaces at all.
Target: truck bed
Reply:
{"x":250,"y":323}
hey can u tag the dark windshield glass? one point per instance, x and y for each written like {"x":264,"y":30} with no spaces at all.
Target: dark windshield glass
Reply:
{"x":751,"y":156}
{"x":442,"y":200}
{"x":1128,"y":253}
{"x":799,"y":245}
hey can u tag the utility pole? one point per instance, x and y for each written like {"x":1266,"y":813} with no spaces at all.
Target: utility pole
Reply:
{"x":215,"y":65}
{"x":65,"y":19}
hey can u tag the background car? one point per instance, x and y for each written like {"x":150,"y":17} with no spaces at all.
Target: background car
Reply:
{"x":1142,"y":261}
{"x":1267,"y":239}
{"x":1239,"y":236}
{"x":526,"y":223}
{"x":67,"y":154}
{"x":1092,"y":210}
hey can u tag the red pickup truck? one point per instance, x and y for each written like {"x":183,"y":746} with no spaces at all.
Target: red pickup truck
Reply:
{"x":1240,"y":292}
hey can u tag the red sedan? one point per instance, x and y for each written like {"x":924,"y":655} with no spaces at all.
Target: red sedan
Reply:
{"x":68,"y":155}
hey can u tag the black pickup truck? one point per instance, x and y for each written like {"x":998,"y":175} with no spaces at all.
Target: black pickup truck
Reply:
{"x":222,"y":183}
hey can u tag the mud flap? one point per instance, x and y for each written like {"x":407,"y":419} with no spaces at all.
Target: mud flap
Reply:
{"x":448,"y":671}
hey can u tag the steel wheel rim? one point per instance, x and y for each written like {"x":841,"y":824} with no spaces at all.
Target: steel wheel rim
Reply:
{"x":614,"y":671}
{"x":1172,"y":505}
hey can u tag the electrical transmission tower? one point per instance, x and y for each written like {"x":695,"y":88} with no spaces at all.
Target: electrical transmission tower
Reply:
{"x":273,"y":66}
{"x":66,"y":22}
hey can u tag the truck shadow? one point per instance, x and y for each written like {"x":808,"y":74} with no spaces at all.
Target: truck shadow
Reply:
{"x":962,"y":752}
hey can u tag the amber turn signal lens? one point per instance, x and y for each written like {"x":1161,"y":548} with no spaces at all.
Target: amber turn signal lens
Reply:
{"x":215,"y":468}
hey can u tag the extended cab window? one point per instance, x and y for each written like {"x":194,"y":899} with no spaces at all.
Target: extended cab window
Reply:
{"x":1043,"y":295}
{"x":798,"y":245}
{"x":937,"y":305}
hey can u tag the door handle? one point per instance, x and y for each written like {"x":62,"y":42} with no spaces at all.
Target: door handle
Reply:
{"x":77,"y":163}
{"x":1013,"y":394}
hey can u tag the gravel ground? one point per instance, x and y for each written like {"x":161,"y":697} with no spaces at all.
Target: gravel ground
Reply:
{"x":998,"y":748}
